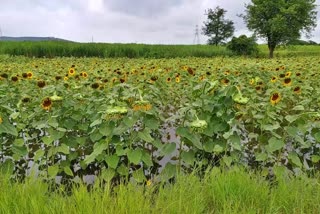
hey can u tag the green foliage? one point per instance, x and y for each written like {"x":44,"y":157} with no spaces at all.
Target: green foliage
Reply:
{"x":217,"y":27}
{"x":279,"y":21}
{"x":143,"y":118}
{"x":219,"y":191}
{"x":243,"y":45}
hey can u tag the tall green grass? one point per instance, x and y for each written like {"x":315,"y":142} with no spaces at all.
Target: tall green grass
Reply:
{"x":70,"y":49}
{"x":233,"y":191}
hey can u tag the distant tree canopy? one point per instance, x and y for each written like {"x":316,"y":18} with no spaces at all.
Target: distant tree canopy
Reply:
{"x":301,"y":42}
{"x":243,"y":45}
{"x":217,"y":27}
{"x":280,"y":21}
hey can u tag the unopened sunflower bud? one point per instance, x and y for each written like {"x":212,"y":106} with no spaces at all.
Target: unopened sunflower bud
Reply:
{"x":198,"y":125}
{"x":117,"y":110}
{"x":238,"y":98}
{"x":56,"y":98}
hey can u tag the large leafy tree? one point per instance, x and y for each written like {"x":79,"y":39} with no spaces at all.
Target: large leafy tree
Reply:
{"x":217,"y":27}
{"x":280,"y":21}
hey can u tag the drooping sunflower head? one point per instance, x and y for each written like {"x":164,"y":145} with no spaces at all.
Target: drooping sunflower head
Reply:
{"x":287,"y":82}
{"x":24,"y":75}
{"x":225,"y":81}
{"x":95,"y":85}
{"x":297,"y":90}
{"x":191,"y":71}
{"x":141,"y":105}
{"x":14,"y":79}
{"x":46,"y":103}
{"x":41,"y":83}
{"x":25,"y":99}
{"x":275,"y":98}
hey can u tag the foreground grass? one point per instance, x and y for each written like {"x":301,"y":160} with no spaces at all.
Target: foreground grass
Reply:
{"x":235,"y":191}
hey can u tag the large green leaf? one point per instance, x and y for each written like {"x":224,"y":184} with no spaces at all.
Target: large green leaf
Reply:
{"x":293,"y":157}
{"x":7,"y":128}
{"x":146,"y":158}
{"x":139,"y":176}
{"x":63,"y":148}
{"x":112,"y":161}
{"x":169,"y":171}
{"x":193,"y":138}
{"x":188,"y":157}
{"x":134,"y":156}
{"x":274,"y":145}
{"x":145,"y":136}
{"x":53,"y":171}
{"x":235,"y":142}
{"x":168,"y":148}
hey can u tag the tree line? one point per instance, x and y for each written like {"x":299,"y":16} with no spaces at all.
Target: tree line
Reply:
{"x":276,"y":21}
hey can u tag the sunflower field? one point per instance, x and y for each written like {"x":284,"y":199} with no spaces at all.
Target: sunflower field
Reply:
{"x":147,"y":118}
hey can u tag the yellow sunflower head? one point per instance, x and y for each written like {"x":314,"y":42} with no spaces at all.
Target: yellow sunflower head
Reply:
{"x":274,"y":79}
{"x":275,"y":98}
{"x":46,"y":103}
{"x":72,"y":71}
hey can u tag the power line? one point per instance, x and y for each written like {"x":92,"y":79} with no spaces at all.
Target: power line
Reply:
{"x":196,"y":39}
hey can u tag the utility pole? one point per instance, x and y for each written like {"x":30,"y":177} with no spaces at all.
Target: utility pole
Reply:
{"x":196,"y":39}
{"x":0,"y":32}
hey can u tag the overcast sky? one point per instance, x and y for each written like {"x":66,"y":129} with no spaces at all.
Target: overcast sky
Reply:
{"x":124,"y":21}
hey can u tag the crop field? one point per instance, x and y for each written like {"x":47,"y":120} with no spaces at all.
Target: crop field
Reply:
{"x":150,"y":119}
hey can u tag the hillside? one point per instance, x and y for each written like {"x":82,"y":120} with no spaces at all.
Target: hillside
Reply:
{"x":30,"y":38}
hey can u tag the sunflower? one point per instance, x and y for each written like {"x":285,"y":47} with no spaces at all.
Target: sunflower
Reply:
{"x":29,"y":74}
{"x":65,"y":78}
{"x":46,"y":103}
{"x":95,"y":85}
{"x":58,"y":78}
{"x":288,"y":74}
{"x":24,"y":75}
{"x":287,"y":82}
{"x":4,"y":75}
{"x":225,"y":82}
{"x":84,"y":74}
{"x":168,"y":79}
{"x":1,"y":120}
{"x":252,"y":81}
{"x":41,"y":83}
{"x":282,"y":75}
{"x":72,"y":71}
{"x":275,"y":98}
{"x":14,"y":78}
{"x":178,"y":79}
{"x":191,"y":71}
{"x":25,"y":99}
{"x":274,"y":79}
{"x":142,"y":105}
{"x":297,"y":90}
{"x":298,"y":74}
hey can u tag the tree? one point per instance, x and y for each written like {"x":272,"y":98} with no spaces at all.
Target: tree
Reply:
{"x":217,"y":27}
{"x":243,"y":45}
{"x":280,"y":21}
